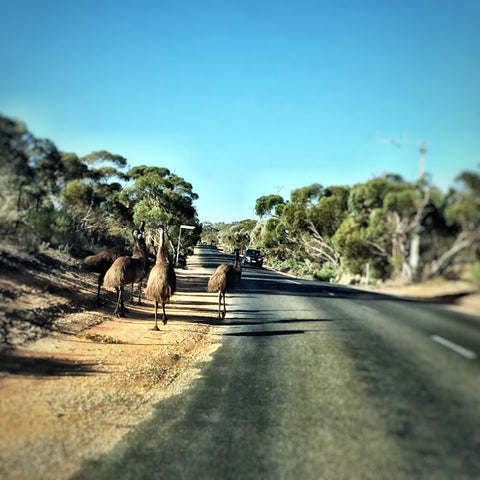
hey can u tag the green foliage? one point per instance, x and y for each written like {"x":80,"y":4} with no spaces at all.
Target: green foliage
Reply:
{"x":59,"y":198}
{"x":237,"y":235}
{"x":326,"y":273}
{"x":323,"y":232}
{"x":160,"y":198}
{"x":267,"y":203}
{"x":474,"y":273}
{"x":51,"y":225}
{"x":336,"y":231}
{"x":102,"y":156}
{"x":463,"y":206}
{"x":210,"y":232}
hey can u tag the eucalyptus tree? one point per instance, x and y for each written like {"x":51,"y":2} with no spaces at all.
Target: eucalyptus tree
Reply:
{"x":384,"y":227}
{"x":15,"y":171}
{"x":299,"y":234}
{"x":237,"y":234}
{"x":211,"y":231}
{"x":270,"y":205}
{"x":162,"y":199}
{"x":91,"y":194}
{"x":462,"y":218}
{"x":312,"y":217}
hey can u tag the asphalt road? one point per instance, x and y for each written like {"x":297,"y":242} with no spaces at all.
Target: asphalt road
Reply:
{"x":318,"y":381}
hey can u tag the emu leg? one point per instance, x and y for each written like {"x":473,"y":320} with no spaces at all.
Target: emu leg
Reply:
{"x":123,"y":309}
{"x":155,"y":327}
{"x":131,"y":299}
{"x":100,"y":281}
{"x":164,"y":314}
{"x":220,"y":304}
{"x":140,"y":293}
{"x":117,"y":312}
{"x":224,"y":307}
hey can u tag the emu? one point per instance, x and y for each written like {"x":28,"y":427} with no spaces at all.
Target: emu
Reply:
{"x":127,"y":269}
{"x":100,"y":263}
{"x":225,"y":277}
{"x":162,"y":281}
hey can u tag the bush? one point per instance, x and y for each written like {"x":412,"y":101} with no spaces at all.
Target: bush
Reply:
{"x":326,"y":273}
{"x":474,"y":273}
{"x":51,"y":225}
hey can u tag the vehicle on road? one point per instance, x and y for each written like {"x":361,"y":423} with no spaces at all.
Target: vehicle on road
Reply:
{"x":253,"y":257}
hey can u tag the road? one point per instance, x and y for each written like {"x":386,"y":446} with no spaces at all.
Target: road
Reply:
{"x":318,"y":381}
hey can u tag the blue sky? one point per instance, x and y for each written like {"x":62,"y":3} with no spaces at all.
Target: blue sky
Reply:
{"x":247,"y":98}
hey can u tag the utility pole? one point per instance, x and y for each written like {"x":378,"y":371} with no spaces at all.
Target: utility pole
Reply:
{"x":186,"y":227}
{"x":423,"y":149}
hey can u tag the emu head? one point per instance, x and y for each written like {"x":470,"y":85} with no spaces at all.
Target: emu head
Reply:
{"x":139,"y":236}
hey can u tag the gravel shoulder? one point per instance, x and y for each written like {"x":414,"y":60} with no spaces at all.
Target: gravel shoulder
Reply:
{"x":76,"y":382}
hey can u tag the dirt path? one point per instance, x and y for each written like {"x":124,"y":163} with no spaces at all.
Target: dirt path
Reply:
{"x":71,"y":396}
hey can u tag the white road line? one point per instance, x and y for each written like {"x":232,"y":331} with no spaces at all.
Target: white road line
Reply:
{"x":456,"y":348}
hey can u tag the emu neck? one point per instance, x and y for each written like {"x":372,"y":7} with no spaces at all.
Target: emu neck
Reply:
{"x":162,"y":252}
{"x":138,"y":252}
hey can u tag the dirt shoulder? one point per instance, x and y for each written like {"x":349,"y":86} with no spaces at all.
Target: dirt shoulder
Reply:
{"x":83,"y":379}
{"x":456,"y":294}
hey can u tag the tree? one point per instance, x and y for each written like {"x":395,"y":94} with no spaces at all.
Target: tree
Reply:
{"x":462,"y":215}
{"x":91,"y":195}
{"x":267,"y":203}
{"x":386,"y":216}
{"x":165,"y":200}
{"x":237,"y":234}
{"x":15,"y":172}
{"x":211,"y":231}
{"x":313,"y":215}
{"x":160,"y":198}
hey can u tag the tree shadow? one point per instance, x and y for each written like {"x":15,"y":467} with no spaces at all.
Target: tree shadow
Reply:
{"x":265,"y":333}
{"x":13,"y":363}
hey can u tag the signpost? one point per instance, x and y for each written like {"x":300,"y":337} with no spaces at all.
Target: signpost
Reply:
{"x":186,"y":227}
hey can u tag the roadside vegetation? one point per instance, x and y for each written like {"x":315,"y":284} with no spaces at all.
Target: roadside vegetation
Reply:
{"x":395,"y":230}
{"x":83,"y":204}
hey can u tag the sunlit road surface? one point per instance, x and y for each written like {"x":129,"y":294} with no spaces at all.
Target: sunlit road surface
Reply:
{"x":318,"y":381}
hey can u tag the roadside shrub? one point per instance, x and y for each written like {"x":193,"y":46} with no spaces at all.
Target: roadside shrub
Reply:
{"x":326,"y":273}
{"x":51,"y":225}
{"x":474,"y":273}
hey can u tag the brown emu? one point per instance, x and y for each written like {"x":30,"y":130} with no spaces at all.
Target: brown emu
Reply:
{"x":225,"y":277}
{"x":127,"y":269}
{"x":162,"y":281}
{"x":99,"y":263}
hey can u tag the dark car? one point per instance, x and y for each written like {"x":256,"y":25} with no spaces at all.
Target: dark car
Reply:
{"x":253,"y":257}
